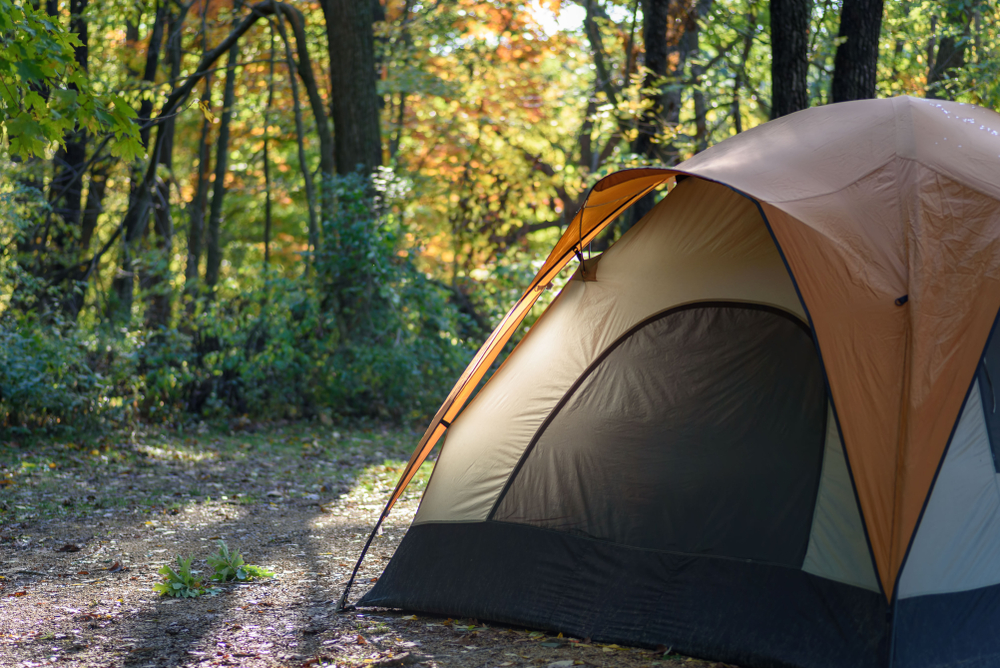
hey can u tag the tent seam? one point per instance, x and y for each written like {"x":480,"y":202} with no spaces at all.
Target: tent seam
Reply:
{"x":826,"y":380}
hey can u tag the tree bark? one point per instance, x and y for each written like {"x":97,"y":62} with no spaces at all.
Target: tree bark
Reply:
{"x":654,"y":36}
{"x":267,"y":159}
{"x":66,"y":187}
{"x":604,"y":81}
{"x":741,"y":71}
{"x":196,"y":209}
{"x":327,"y":166}
{"x":156,"y":280}
{"x":789,"y":56}
{"x":950,"y":56}
{"x":854,"y":72}
{"x":214,"y":250}
{"x":355,"y":100}
{"x":299,"y":135}
{"x":140,"y":199}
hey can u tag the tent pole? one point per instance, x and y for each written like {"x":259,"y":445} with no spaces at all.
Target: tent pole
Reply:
{"x":342,"y":605}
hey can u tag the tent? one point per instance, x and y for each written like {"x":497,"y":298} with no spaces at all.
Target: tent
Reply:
{"x":763,"y":426}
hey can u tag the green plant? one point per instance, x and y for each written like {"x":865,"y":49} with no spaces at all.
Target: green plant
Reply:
{"x":230,"y":567}
{"x":182,"y":582}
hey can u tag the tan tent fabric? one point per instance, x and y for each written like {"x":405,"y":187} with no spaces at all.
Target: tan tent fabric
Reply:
{"x":609,"y":197}
{"x":703,"y":242}
{"x":869,"y":201}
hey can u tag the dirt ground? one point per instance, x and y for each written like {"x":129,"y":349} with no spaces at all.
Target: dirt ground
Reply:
{"x":84,"y":528}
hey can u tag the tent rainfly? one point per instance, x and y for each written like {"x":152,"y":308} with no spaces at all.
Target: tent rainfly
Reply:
{"x":763,"y":426}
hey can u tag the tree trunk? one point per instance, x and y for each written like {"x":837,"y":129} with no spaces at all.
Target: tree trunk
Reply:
{"x":854,"y":72}
{"x":354,"y":101}
{"x":950,"y":55}
{"x":604,"y":81}
{"x":95,"y":201}
{"x":327,"y":165}
{"x":682,"y":43}
{"x":196,"y":209}
{"x":299,"y":136}
{"x":741,"y":71}
{"x":66,"y":187}
{"x":654,"y":37}
{"x":267,"y":160}
{"x":156,"y":280}
{"x":214,"y":259}
{"x":140,"y":196}
{"x":789,"y":56}
{"x":670,"y":34}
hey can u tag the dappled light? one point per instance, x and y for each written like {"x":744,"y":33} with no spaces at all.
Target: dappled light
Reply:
{"x":270,"y":267}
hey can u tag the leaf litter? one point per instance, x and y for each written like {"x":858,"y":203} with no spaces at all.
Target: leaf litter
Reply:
{"x":86,"y":529}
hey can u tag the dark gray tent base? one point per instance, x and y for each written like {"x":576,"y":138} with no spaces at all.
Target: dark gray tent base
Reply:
{"x":957,"y":629}
{"x":751,"y":614}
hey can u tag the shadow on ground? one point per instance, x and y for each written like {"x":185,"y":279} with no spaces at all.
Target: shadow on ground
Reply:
{"x":297,"y":500}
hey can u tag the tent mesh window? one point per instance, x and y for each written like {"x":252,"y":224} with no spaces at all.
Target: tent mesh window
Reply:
{"x":705,"y":424}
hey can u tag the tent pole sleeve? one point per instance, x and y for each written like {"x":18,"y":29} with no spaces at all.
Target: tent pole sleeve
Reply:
{"x":494,"y":344}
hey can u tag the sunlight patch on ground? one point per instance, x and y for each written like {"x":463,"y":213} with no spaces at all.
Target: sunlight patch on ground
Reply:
{"x":177,"y":452}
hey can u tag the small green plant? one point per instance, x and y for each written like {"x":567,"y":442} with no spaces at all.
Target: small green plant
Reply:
{"x":230,"y":567}
{"x":182,"y":582}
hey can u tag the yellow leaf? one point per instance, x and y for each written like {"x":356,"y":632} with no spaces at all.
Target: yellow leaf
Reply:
{"x":206,"y":111}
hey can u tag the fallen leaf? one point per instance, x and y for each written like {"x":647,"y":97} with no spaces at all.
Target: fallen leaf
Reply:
{"x":361,"y":640}
{"x":83,"y":572}
{"x":117,"y":567}
{"x":68,"y":547}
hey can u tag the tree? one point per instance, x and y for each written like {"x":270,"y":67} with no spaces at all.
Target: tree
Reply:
{"x":141,"y":195}
{"x":355,"y":99}
{"x":654,"y":35}
{"x":69,"y":164}
{"x":789,"y":56}
{"x":855,"y":67}
{"x":950,"y":56}
{"x":214,"y":250}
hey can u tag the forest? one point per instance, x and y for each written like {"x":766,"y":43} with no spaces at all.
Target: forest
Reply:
{"x":218,"y":209}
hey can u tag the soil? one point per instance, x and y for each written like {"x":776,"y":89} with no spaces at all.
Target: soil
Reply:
{"x":85,"y":528}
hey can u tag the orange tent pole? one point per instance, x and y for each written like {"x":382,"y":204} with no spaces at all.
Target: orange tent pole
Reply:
{"x":585,"y":226}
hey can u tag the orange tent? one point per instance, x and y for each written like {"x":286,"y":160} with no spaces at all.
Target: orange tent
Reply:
{"x":875,"y":225}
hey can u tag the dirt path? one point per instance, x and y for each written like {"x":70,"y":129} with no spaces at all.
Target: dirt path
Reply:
{"x":84,"y":529}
